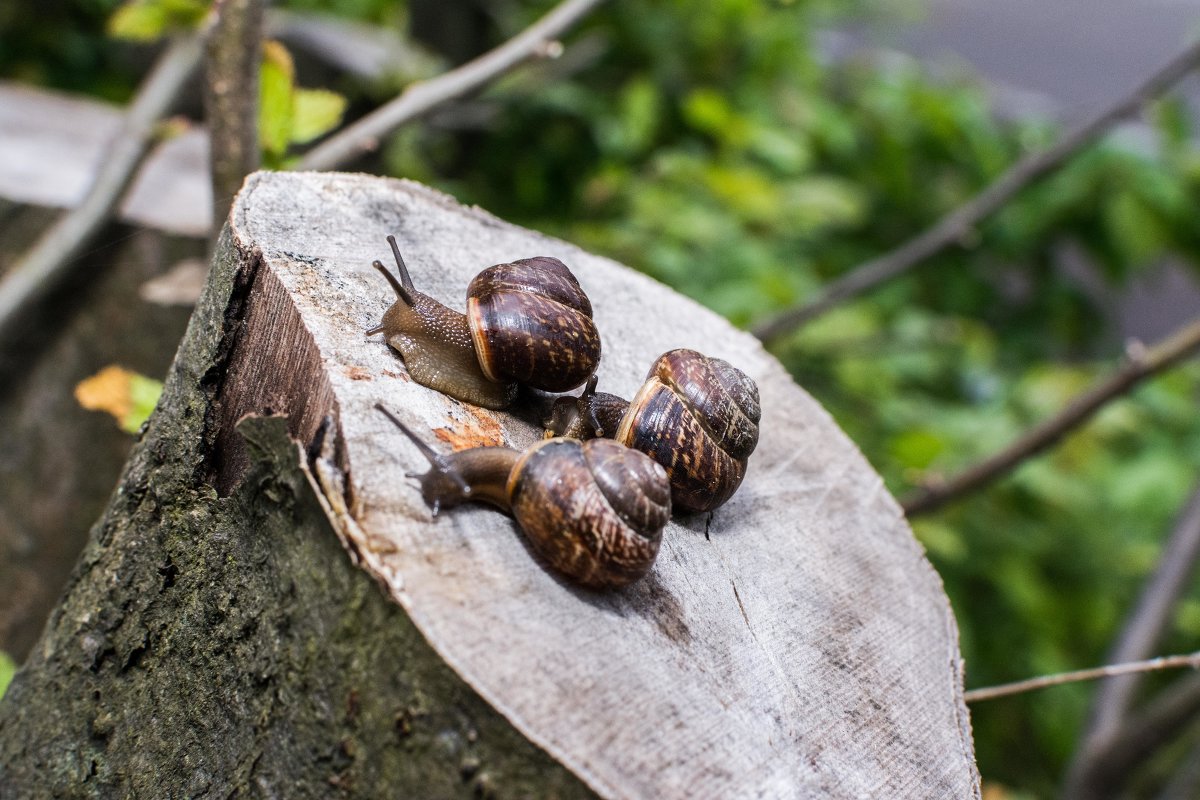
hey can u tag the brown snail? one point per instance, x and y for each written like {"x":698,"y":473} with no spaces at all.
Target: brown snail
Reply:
{"x":696,"y":416}
{"x":527,"y":322}
{"x":593,"y":510}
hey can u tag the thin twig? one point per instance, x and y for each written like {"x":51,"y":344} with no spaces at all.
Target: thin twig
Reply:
{"x":1153,"y":665}
{"x":1142,"y":364}
{"x":955,"y":227}
{"x":49,"y":262}
{"x":421,"y":97}
{"x":232,"y":61}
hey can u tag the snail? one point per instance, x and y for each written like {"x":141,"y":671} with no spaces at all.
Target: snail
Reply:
{"x":593,"y":510}
{"x":696,"y":416}
{"x":527,"y":322}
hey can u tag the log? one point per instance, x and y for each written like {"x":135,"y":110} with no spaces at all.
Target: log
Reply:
{"x":54,"y":144}
{"x":217,"y":636}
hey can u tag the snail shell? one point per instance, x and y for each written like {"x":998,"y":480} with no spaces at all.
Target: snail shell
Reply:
{"x":527,"y":322}
{"x":594,"y":510}
{"x":697,"y":417}
{"x":531,"y":323}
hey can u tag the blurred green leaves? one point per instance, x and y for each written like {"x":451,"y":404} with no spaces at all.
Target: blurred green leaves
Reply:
{"x":289,"y":114}
{"x":149,"y":20}
{"x":7,"y":670}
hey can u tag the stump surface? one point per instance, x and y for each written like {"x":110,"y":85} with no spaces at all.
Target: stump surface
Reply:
{"x":795,"y":643}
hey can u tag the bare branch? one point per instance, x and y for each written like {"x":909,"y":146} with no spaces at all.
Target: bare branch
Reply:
{"x":958,"y":224}
{"x":1113,"y":760}
{"x":1141,"y":633}
{"x":1153,"y":665}
{"x":421,"y":97}
{"x":232,"y":61}
{"x":48,"y":263}
{"x":1184,"y":781}
{"x":1142,"y":363}
{"x":1152,"y":614}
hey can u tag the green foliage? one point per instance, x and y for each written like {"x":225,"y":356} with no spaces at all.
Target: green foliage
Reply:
{"x":289,"y":114}
{"x":148,"y":20}
{"x":63,"y":46}
{"x":7,"y":669}
{"x":143,"y":395}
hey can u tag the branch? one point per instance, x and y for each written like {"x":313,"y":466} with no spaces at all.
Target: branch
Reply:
{"x":231,"y":86}
{"x":421,"y":97}
{"x":1113,"y":760}
{"x":1114,"y":697}
{"x":1142,"y":364}
{"x":1152,"y":614}
{"x":1184,"y":781}
{"x":1153,"y":665}
{"x":49,"y":262}
{"x":955,"y":226}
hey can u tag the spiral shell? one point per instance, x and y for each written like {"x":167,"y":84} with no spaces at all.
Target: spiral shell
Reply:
{"x":531,"y":323}
{"x":697,"y":417}
{"x":594,"y":510}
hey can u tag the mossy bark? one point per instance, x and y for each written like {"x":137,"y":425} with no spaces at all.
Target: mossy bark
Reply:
{"x":225,"y":646}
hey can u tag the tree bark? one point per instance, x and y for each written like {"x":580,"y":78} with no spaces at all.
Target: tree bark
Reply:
{"x":216,"y":638}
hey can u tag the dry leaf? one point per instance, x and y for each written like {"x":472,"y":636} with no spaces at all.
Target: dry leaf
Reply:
{"x":127,"y":396}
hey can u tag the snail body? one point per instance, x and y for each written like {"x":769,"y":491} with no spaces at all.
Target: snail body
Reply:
{"x":527,"y":322}
{"x":594,"y":511}
{"x":694,"y":415}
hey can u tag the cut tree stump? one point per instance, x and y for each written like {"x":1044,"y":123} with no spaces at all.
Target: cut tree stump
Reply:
{"x":215,"y":638}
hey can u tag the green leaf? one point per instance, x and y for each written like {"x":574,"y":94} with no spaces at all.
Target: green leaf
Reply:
{"x":1133,"y":228}
{"x":708,"y":111}
{"x":125,"y":395}
{"x":138,"y":22}
{"x":917,"y":448}
{"x":148,"y":20}
{"x":1174,"y":121}
{"x":640,"y":108}
{"x":748,"y":193}
{"x":275,"y":106}
{"x":823,"y":202}
{"x":315,"y":112}
{"x":941,"y":540}
{"x":7,"y":669}
{"x":785,"y":151}
{"x":143,"y":394}
{"x":1187,"y":617}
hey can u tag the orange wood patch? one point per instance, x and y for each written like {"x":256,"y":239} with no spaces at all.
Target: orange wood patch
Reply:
{"x":477,"y":427}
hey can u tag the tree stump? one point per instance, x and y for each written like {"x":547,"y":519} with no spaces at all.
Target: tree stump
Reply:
{"x":217,"y":638}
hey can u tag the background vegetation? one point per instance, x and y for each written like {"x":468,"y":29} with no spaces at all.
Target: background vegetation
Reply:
{"x":717,"y":148}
